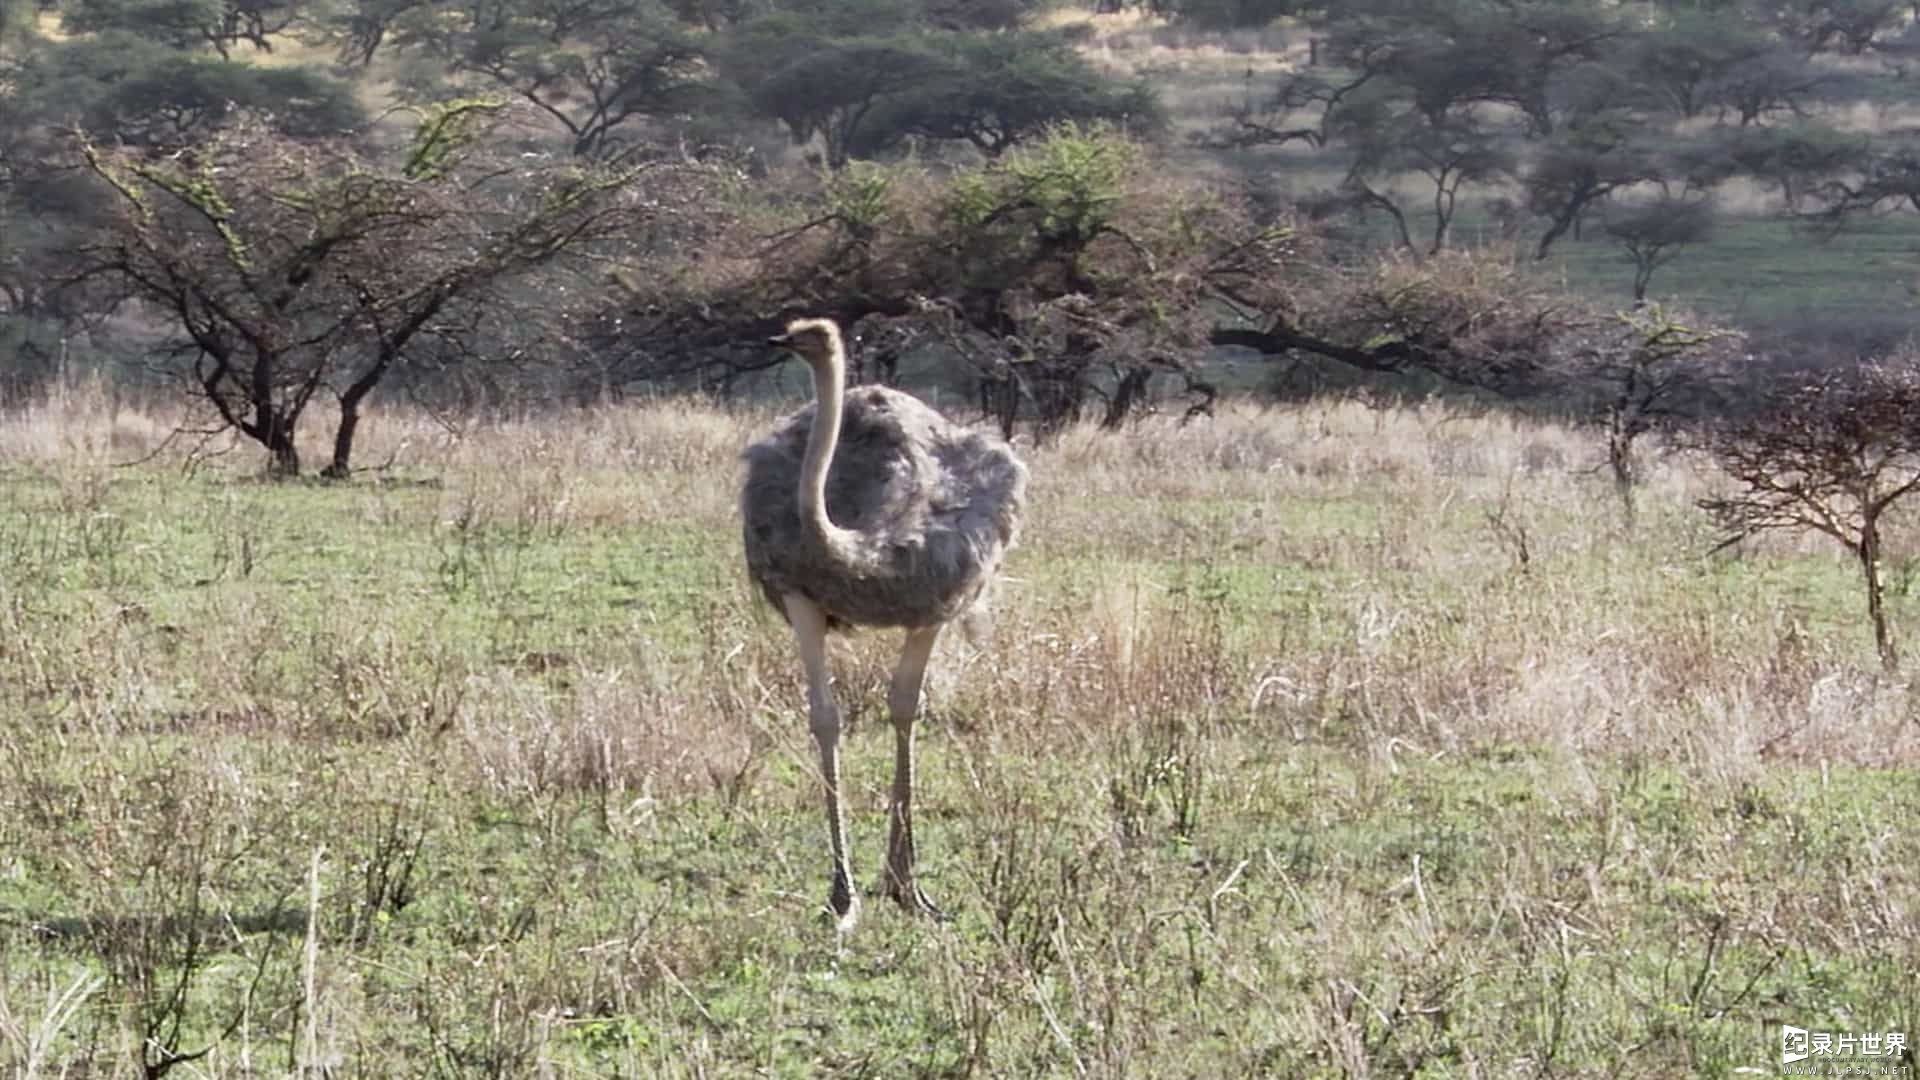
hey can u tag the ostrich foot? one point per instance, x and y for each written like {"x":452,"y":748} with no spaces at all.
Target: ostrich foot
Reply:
{"x":843,"y":903}
{"x":907,"y":892}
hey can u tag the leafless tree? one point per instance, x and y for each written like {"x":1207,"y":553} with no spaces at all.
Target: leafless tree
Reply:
{"x":285,"y":270}
{"x":1833,"y":453}
{"x":1647,"y":370}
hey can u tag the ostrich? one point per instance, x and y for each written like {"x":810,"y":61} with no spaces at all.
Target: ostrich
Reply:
{"x":904,"y":528}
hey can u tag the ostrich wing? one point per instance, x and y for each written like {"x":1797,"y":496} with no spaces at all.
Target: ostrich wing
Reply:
{"x":933,"y":507}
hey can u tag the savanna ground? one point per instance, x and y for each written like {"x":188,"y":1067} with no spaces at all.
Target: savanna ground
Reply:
{"x":1314,"y":741}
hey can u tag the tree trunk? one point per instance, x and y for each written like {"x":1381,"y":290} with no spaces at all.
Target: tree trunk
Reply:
{"x":1443,"y":203}
{"x":1127,"y":398}
{"x":1568,"y":218}
{"x":1620,"y":457}
{"x":1399,"y":222}
{"x":350,"y":399}
{"x":283,"y":457}
{"x":1000,"y":400}
{"x":342,"y":465}
{"x":1370,"y":197}
{"x":1869,"y":555}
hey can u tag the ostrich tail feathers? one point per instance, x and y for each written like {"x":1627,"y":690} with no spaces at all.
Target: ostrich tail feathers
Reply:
{"x":977,"y":625}
{"x":977,"y":621}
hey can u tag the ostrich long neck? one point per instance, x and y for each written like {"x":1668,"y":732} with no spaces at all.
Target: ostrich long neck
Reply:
{"x":829,"y":389}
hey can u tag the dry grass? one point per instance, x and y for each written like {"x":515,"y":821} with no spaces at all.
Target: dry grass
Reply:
{"x":1325,"y":740}
{"x":1417,"y":516}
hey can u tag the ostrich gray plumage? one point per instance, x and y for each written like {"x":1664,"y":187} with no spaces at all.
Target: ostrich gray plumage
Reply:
{"x":930,"y":509}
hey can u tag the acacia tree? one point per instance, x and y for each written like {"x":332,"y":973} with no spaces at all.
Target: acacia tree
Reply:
{"x":1850,"y":26}
{"x":1796,"y":160}
{"x":833,"y":91}
{"x":861,"y":79}
{"x":1440,"y":91}
{"x":1510,"y":52}
{"x":358,"y":29}
{"x":1471,"y":319}
{"x":997,"y":90}
{"x":1687,"y":55}
{"x":287,"y":270}
{"x":161,"y":98}
{"x":1882,"y":179}
{"x":1057,"y":275}
{"x":1647,"y":371}
{"x":1579,"y":169}
{"x":1653,"y":234}
{"x":1775,"y":82}
{"x":1449,"y":146}
{"x":594,"y":68}
{"x":1390,"y":124}
{"x":1070,"y":272}
{"x":182,"y":24}
{"x":143,"y":70}
{"x":1535,"y":46}
{"x":1832,"y":454}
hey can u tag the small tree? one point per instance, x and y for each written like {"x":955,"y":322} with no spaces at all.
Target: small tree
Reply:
{"x":1774,"y":82}
{"x":1471,"y":318}
{"x":1653,"y":234}
{"x":1449,"y":146}
{"x":1848,"y":26}
{"x":1833,"y":454}
{"x":1579,"y":169}
{"x":862,"y":82}
{"x":1688,"y":53}
{"x":998,"y":90}
{"x":1647,"y":371}
{"x":1796,"y":160}
{"x":287,"y":270}
{"x":150,"y":94}
{"x":595,"y":69}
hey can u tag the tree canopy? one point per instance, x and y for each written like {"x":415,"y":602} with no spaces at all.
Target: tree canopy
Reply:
{"x":284,"y":269}
{"x":969,"y":178}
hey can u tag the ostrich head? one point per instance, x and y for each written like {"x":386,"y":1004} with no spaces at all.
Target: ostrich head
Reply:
{"x":816,"y":341}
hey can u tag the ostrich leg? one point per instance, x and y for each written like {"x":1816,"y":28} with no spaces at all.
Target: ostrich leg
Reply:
{"x":810,"y":627}
{"x":903,"y":703}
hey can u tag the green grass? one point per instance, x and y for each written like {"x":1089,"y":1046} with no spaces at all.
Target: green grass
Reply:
{"x":1770,"y":272}
{"x":1435,"y":915}
{"x":1293,"y":769}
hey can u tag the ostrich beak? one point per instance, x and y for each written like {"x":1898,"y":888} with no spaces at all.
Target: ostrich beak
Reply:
{"x":781,"y":341}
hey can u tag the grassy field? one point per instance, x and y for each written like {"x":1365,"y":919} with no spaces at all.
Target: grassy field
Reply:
{"x":1322,"y":741}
